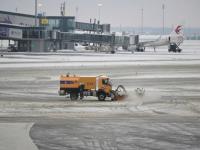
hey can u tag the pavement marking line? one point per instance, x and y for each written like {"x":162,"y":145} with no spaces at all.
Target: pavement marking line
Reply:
{"x":15,"y":136}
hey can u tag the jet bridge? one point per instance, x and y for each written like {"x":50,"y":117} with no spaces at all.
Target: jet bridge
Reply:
{"x":41,"y":39}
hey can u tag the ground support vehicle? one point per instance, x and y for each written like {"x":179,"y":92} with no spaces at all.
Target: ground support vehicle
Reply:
{"x":82,"y":86}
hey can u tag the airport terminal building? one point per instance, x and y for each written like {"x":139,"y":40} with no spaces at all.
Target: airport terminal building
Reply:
{"x":47,"y":33}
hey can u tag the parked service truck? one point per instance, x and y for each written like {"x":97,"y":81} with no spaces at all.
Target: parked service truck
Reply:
{"x":97,"y":86}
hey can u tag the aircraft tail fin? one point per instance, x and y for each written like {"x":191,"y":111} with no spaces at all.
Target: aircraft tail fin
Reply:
{"x":178,"y":30}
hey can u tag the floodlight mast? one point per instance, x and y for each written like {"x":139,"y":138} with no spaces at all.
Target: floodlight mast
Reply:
{"x":36,"y":12}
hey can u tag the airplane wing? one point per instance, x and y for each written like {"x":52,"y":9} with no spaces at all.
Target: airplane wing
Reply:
{"x":150,"y":43}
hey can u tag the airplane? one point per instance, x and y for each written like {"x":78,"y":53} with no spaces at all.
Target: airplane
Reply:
{"x":172,"y":40}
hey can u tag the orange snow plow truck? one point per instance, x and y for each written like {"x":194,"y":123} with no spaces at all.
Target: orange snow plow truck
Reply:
{"x":97,"y":86}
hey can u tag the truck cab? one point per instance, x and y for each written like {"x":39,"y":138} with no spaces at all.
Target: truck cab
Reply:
{"x":105,"y":84}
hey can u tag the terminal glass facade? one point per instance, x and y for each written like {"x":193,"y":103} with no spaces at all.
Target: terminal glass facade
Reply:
{"x":62,"y":23}
{"x":53,"y":23}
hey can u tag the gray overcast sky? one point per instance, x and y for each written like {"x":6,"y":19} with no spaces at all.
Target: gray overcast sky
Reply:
{"x":118,"y":12}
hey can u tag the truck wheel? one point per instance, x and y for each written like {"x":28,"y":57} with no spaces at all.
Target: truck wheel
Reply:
{"x":113,"y":96}
{"x":74,"y":96}
{"x":101,"y":96}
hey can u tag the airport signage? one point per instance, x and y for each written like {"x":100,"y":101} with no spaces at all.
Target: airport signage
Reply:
{"x":17,"y":19}
{"x":15,"y":33}
{"x":44,"y":21}
{"x":4,"y":32}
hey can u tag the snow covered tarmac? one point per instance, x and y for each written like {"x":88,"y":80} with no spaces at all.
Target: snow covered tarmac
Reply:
{"x":166,"y":117}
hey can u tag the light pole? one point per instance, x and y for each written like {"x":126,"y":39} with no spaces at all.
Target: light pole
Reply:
{"x":163,"y":21}
{"x":77,"y":13}
{"x":99,"y":12}
{"x":142,"y":18}
{"x":36,"y":3}
{"x":40,"y":6}
{"x":68,"y":6}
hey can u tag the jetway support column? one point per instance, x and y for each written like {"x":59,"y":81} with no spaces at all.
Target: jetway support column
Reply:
{"x":112,"y":43}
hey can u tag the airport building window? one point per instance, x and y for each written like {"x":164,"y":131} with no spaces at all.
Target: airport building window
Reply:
{"x":64,"y":24}
{"x":54,"y":23}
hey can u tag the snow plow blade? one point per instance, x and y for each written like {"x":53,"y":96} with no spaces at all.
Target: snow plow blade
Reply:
{"x":120,"y":93}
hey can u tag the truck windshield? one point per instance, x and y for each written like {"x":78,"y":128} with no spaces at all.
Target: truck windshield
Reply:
{"x":107,"y":82}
